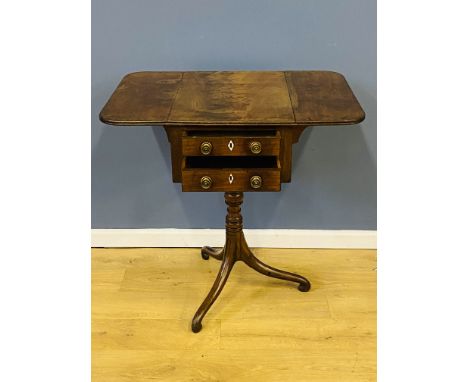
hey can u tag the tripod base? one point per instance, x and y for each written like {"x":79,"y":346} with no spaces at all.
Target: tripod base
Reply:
{"x":236,"y":249}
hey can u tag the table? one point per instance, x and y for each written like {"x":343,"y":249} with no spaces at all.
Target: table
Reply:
{"x":233,"y":132}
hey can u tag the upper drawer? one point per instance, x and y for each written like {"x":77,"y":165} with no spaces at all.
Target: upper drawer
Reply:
{"x":228,"y":144}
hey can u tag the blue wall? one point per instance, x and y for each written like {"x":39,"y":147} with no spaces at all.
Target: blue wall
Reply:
{"x":334,"y":168}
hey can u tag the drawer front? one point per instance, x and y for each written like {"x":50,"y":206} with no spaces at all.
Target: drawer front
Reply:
{"x":222,"y":180}
{"x":230,"y":146}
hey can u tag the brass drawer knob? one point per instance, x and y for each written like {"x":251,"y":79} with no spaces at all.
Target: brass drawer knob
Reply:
{"x":205,"y":148}
{"x":255,"y":147}
{"x":256,"y":181}
{"x":206,"y":182}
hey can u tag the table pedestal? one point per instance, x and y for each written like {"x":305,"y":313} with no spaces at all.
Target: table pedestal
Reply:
{"x":236,"y":249}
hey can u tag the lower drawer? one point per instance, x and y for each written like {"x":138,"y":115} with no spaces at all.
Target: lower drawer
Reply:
{"x":231,"y":179}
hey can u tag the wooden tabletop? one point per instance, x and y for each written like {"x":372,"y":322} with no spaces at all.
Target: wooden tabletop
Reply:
{"x":233,"y":98}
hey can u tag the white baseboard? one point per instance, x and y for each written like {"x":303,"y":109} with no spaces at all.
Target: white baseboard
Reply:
{"x":266,"y":238}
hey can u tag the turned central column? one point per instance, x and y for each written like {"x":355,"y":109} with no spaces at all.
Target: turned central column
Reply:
{"x":233,"y":217}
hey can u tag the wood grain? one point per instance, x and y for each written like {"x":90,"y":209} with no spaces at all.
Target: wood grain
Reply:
{"x":260,"y":330}
{"x":323,"y":98}
{"x":232,"y":98}
{"x":293,"y":98}
{"x":142,"y":98}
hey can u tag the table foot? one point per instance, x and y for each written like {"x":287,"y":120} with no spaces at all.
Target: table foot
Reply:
{"x":196,"y":326}
{"x":206,"y":252}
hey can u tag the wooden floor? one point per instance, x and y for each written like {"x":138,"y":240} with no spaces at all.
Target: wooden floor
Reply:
{"x":260,"y":329}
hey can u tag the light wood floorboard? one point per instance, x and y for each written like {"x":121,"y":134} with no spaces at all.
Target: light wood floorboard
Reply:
{"x":259,"y":329}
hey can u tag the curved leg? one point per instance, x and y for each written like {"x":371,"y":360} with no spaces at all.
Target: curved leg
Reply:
{"x":249,"y":258}
{"x":206,"y":252}
{"x":226,"y":266}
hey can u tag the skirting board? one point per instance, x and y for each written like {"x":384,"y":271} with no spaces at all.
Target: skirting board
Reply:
{"x":265,"y":238}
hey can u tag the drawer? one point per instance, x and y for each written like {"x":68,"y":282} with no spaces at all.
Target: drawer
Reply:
{"x":228,"y":143}
{"x":241,"y":175}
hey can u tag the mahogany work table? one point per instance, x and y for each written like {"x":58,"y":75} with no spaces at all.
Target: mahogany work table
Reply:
{"x":233,"y":132}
